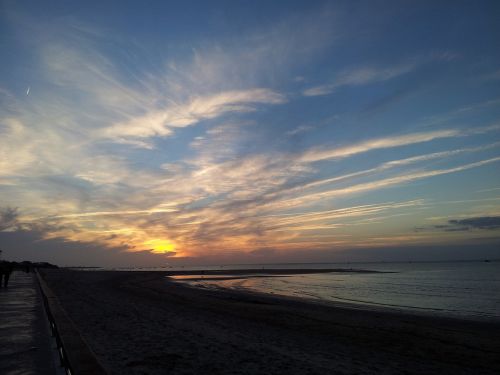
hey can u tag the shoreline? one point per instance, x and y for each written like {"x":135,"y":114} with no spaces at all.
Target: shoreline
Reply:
{"x":228,"y":275}
{"x":270,"y":271}
{"x":134,"y":320}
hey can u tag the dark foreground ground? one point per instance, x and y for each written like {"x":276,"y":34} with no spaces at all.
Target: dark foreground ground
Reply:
{"x":139,"y":323}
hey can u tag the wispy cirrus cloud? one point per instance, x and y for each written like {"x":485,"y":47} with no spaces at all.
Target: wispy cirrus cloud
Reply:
{"x":379,"y":184}
{"x":162,"y":122}
{"x":336,"y":214}
{"x":372,"y":74}
{"x":360,"y":76}
{"x":318,"y":154}
{"x":398,"y":163}
{"x":299,"y":130}
{"x":376,"y":144}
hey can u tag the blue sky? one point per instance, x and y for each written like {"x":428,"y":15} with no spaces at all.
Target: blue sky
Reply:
{"x":239,"y":131}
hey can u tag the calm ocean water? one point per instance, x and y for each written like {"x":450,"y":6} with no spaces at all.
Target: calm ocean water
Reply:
{"x":463,"y":289}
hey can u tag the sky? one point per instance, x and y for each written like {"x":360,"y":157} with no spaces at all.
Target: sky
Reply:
{"x":193,"y":132}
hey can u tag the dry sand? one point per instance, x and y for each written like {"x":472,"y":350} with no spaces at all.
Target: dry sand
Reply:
{"x":140,"y":323}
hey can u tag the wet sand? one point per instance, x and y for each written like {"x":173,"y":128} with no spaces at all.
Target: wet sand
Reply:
{"x":141,"y":323}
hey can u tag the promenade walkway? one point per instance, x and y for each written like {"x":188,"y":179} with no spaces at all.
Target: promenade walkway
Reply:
{"x":25,"y":341}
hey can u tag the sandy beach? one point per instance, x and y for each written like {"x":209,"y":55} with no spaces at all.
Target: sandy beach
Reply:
{"x":142,"y":323}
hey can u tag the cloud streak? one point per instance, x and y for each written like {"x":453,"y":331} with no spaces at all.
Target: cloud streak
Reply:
{"x":377,"y":144}
{"x":377,"y":184}
{"x":361,"y":76}
{"x":318,"y":154}
{"x":371,"y":74}
{"x":163,"y":123}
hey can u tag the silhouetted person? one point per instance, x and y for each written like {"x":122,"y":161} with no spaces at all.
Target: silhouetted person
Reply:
{"x":5,"y":271}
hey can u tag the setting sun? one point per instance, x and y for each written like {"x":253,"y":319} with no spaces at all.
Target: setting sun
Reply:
{"x":160,"y":246}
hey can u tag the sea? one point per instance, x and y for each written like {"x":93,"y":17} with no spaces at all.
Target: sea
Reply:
{"x":466,"y":289}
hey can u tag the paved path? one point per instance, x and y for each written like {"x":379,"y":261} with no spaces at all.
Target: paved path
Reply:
{"x":25,"y":341}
